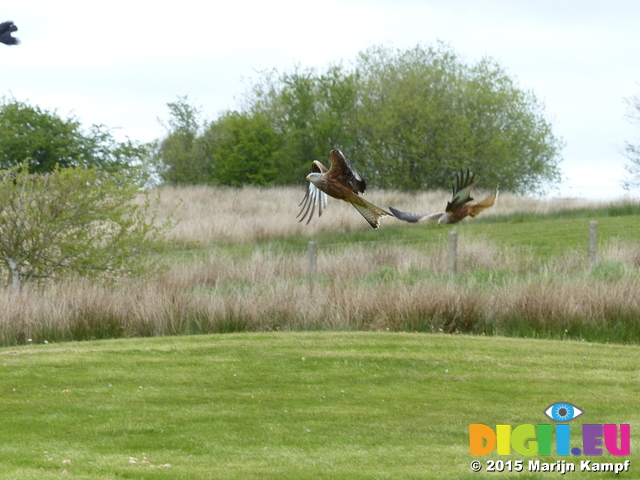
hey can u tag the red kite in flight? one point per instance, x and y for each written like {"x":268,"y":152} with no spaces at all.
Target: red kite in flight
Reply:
{"x":459,"y":207}
{"x":341,"y":181}
{"x":6,"y":29}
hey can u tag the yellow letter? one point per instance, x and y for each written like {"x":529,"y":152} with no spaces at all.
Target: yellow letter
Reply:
{"x":503,"y":432}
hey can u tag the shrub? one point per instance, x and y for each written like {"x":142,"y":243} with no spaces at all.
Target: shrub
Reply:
{"x":73,"y":221}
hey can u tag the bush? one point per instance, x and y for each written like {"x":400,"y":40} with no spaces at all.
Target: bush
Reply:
{"x":73,"y":221}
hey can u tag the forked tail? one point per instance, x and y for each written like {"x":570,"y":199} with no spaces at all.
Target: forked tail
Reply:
{"x":369,"y":211}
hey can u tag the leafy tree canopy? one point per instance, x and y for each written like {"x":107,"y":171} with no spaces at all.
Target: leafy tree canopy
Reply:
{"x":181,"y":157}
{"x":407,"y":118}
{"x":247,"y":150}
{"x":43,"y":139}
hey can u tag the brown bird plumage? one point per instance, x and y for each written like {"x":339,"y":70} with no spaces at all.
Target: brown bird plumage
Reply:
{"x":460,"y":206}
{"x":341,"y":181}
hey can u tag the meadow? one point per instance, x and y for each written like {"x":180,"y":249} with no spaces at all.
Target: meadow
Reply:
{"x":237,"y":261}
{"x":374,"y":367}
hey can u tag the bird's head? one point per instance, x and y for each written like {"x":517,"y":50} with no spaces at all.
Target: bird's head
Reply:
{"x":443,"y":219}
{"x":314,"y":177}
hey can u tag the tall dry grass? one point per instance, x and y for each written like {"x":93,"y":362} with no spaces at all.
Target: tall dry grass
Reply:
{"x":248,"y":214}
{"x":394,"y":287}
{"x":386,"y":286}
{"x":577,"y":309}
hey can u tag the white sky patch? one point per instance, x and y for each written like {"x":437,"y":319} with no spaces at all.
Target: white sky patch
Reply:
{"x":119,"y":63}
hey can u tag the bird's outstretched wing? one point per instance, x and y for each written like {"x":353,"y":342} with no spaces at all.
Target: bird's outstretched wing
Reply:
{"x":343,"y":172}
{"x":460,"y":206}
{"x":461,"y":192}
{"x":345,"y":183}
{"x":415,"y":217}
{"x":342,"y":182}
{"x":6,"y":29}
{"x":313,"y":197}
{"x":490,"y":201}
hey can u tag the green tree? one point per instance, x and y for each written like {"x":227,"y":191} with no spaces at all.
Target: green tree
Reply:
{"x":314,"y":108}
{"x":44,"y":140}
{"x":245,"y":150}
{"x":182,"y":157}
{"x":632,"y":150}
{"x":313,"y":113}
{"x":410,"y":118}
{"x":425,"y":114}
{"x":407,"y":118}
{"x":74,"y":220}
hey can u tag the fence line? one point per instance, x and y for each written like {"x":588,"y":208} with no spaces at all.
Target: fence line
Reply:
{"x":593,"y":241}
{"x":313,"y":263}
{"x":605,"y":233}
{"x":482,"y":235}
{"x":592,"y":251}
{"x":453,"y":253}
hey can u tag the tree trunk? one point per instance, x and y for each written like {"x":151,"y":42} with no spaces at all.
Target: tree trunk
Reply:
{"x":14,"y":274}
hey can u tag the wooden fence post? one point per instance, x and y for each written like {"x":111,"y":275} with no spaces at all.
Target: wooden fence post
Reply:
{"x":313,"y":263}
{"x":453,"y":253}
{"x":593,"y":244}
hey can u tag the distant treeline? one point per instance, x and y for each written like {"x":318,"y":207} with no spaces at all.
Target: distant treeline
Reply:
{"x":407,"y":119}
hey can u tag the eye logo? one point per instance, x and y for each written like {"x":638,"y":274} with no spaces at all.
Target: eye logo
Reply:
{"x":562,"y":412}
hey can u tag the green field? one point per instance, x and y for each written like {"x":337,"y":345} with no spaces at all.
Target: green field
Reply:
{"x":297,"y":405}
{"x":348,"y":378}
{"x":544,"y":234}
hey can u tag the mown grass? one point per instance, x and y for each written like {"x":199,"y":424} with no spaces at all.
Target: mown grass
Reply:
{"x":284,"y":405}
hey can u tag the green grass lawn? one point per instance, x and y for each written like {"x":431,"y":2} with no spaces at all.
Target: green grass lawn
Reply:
{"x":296,"y":405}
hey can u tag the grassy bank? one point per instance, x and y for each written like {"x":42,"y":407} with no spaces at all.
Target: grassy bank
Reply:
{"x":282,"y":405}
